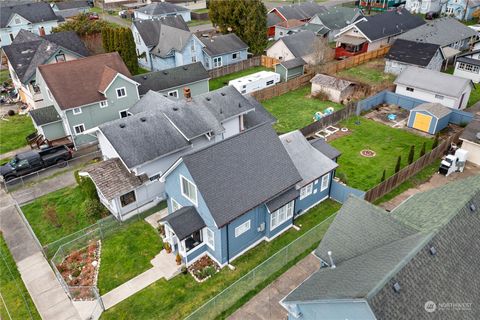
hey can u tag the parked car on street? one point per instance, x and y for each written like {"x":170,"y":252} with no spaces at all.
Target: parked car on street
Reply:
{"x":31,"y":161}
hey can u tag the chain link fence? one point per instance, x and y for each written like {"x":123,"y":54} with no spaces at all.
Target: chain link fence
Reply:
{"x":262,"y":274}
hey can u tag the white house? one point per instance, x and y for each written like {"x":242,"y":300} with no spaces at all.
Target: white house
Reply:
{"x":37,"y":17}
{"x":423,"y":6}
{"x":468,"y":66}
{"x":471,"y":141}
{"x":433,"y":86}
{"x":157,"y":10}
{"x":298,"y":45}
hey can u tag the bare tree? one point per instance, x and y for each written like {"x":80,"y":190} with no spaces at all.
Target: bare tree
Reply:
{"x":321,"y":53}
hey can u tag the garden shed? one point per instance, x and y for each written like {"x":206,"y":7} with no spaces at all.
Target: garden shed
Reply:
{"x":336,"y":89}
{"x":290,"y":69}
{"x":429,"y":117}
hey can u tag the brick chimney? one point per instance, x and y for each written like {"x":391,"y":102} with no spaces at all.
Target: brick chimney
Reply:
{"x":187,"y":93}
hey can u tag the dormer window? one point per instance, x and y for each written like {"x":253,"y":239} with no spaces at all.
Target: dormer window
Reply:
{"x":60,"y":57}
{"x":121,"y":92}
{"x":189,"y":190}
{"x":18,"y":21}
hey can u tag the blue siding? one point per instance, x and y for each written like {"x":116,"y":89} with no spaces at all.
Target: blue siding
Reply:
{"x":436,"y":124}
{"x":460,"y":117}
{"x":316,"y":196}
{"x":196,"y":253}
{"x":340,"y":192}
{"x":388,"y":97}
{"x":226,"y":59}
{"x":272,"y":233}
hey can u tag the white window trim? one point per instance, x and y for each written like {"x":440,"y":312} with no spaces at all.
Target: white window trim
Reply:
{"x":49,"y":94}
{"x":120,"y":113}
{"x":216,"y":65}
{"x":79,"y":125}
{"x":327,"y":179}
{"x":105,"y":102}
{"x":175,"y":203}
{"x":308,"y":189}
{"x":124,"y":89}
{"x":183,"y":191}
{"x":288,"y":215}
{"x":238,"y":55}
{"x":241,"y":229}
{"x":79,"y":111}
{"x":176,"y":92}
{"x":212,"y":245}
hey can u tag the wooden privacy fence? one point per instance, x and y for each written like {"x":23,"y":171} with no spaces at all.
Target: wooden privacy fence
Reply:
{"x":336,"y":66}
{"x":282,"y":88}
{"x":329,"y":120}
{"x":407,"y":172}
{"x":231,"y":68}
{"x":269,"y":62}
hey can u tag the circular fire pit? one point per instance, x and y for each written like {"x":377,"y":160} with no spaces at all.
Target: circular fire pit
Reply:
{"x":368,"y":153}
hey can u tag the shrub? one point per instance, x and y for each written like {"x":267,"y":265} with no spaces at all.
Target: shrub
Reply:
{"x":411,"y":154}
{"x":435,"y":142}
{"x":87,"y":186}
{"x":52,"y":217}
{"x":11,"y":112}
{"x":423,"y":150}
{"x":397,"y":166}
{"x":94,"y":209}
{"x":342,"y":176}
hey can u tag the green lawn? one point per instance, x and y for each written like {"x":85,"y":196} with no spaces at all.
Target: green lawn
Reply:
{"x":193,"y":23}
{"x":58,"y":214}
{"x":370,"y":73}
{"x":142,"y":70}
{"x":204,"y":10}
{"x":13,"y":131}
{"x":177,"y":298}
{"x":295,"y":110}
{"x":16,"y":302}
{"x":127,"y":253}
{"x":96,"y":10}
{"x":220,"y":82}
{"x":474,"y":96}
{"x":388,"y":143}
{"x":4,"y":75}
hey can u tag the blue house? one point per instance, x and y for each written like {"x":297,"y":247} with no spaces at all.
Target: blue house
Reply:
{"x":222,"y":50}
{"x":461,"y":9}
{"x":226,"y":198}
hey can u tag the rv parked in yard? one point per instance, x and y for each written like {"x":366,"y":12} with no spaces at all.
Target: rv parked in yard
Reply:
{"x":255,"y":82}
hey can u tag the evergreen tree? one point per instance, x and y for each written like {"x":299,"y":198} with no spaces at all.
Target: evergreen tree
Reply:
{"x":383,"y":175}
{"x":397,"y":166}
{"x":423,"y":150}
{"x":411,"y":154}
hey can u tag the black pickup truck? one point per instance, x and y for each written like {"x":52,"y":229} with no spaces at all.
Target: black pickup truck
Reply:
{"x":31,"y":161}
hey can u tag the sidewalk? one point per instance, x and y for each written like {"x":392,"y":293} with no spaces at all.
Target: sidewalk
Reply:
{"x":47,"y":294}
{"x":266,"y":304}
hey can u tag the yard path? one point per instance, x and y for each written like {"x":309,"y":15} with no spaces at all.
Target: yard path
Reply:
{"x":266,"y":304}
{"x":164,"y":266}
{"x":47,"y":294}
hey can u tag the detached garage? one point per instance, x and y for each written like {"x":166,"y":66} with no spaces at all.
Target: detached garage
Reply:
{"x":429,"y":117}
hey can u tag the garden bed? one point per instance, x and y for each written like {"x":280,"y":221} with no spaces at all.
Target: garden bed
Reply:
{"x":203,"y":268}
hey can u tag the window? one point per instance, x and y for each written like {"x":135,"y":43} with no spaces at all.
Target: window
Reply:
{"x":235,"y":55}
{"x":207,"y":63}
{"x":194,"y":59}
{"x":306,"y":191}
{"x":173,"y":93}
{"x":192,"y":46}
{"x":49,"y":94}
{"x":11,"y":36}
{"x":325,"y":181}
{"x":121,"y":92}
{"x":123,"y":113}
{"x":439,"y":97}
{"x":281,"y":215}
{"x":269,"y":83}
{"x":127,"y":198}
{"x":77,"y":110}
{"x":103,"y":104}
{"x":79,"y":128}
{"x":175,"y":205}
{"x":194,"y":240}
{"x":410,"y":89}
{"x":210,"y":238}
{"x":189,"y":190}
{"x":18,"y":21}
{"x":468,"y":67}
{"x":244,"y":227}
{"x":60,"y":57}
{"x":217,"y":62}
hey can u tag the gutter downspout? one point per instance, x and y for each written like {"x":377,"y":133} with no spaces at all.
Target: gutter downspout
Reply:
{"x":228,"y":247}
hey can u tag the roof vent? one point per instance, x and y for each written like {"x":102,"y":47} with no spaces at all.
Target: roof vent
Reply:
{"x":207,"y":98}
{"x":175,"y":108}
{"x":185,"y":68}
{"x":143,"y":119}
{"x":332,"y":263}
{"x":165,"y":72}
{"x":239,"y":105}
{"x":144,"y":77}
{"x":433,"y":251}
{"x":223,"y":94}
{"x":396,"y":287}
{"x":122,"y":125}
{"x":472,"y":207}
{"x":221,"y":111}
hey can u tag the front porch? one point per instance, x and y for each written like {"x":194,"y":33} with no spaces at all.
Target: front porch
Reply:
{"x":348,"y":46}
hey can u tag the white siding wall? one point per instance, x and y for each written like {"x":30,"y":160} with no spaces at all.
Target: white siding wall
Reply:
{"x":280,"y":51}
{"x":232,"y":127}
{"x":473,"y":151}
{"x":474,"y":76}
{"x":430,"y":97}
{"x":106,"y":147}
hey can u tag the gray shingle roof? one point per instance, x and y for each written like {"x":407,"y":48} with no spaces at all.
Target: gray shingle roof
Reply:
{"x":150,"y":30}
{"x":388,"y":24}
{"x":33,"y":12}
{"x":322,"y":146}
{"x":45,"y":115}
{"x":76,"y":4}
{"x":468,"y":58}
{"x":339,"y":17}
{"x":300,"y":11}
{"x":175,"y":77}
{"x":273,"y":19}
{"x":472,"y":131}
{"x":222,"y":44}
{"x":301,"y":43}
{"x":436,"y":109}
{"x":241,"y":172}
{"x":293,"y":63}
{"x":159,"y":8}
{"x":28,"y":50}
{"x":184,"y":221}
{"x":259,"y":116}
{"x":443,"y":31}
{"x":282,"y":199}
{"x":170,"y":39}
{"x":310,"y":163}
{"x":412,"y":52}
{"x":330,"y":82}
{"x":434,"y":81}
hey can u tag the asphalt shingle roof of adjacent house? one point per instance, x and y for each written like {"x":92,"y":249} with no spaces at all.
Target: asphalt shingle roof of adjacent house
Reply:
{"x":412,"y":52}
{"x":339,"y":17}
{"x":242,"y":172}
{"x":301,"y":43}
{"x":436,"y":109}
{"x":170,"y":39}
{"x":310,"y":163}
{"x":322,"y":146}
{"x":64,"y":79}
{"x":293,"y":63}
{"x":150,"y":30}
{"x":76,"y":4}
{"x":446,"y":219}
{"x":300,"y":11}
{"x":259,"y":116}
{"x":29,"y":50}
{"x":331,"y":82}
{"x":33,"y":12}
{"x":443,"y":31}
{"x":472,"y":132}
{"x":433,"y":81}
{"x":282,"y":199}
{"x":45,"y":115}
{"x":158,"y":8}
{"x":388,"y":24}
{"x":184,"y":222}
{"x":170,"y":78}
{"x":273,"y":19}
{"x":222,"y":44}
